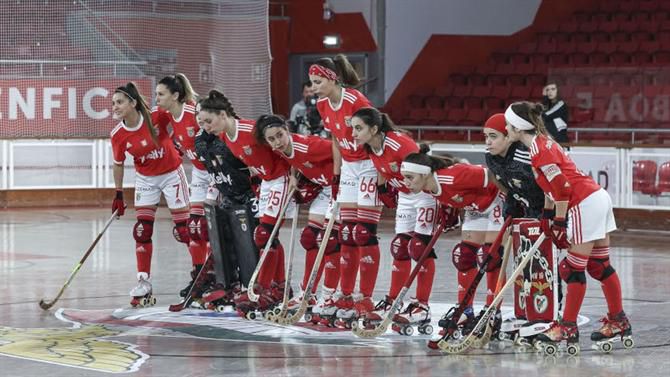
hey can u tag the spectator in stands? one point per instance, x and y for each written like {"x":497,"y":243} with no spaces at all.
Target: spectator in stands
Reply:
{"x":555,"y":115}
{"x":299,"y":110}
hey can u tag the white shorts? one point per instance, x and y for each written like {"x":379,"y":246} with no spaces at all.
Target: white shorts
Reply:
{"x":358,"y":183}
{"x":415,"y":213}
{"x":199,"y":184}
{"x":591,"y":219}
{"x":489,"y":220}
{"x":321,"y":204}
{"x":173,"y":185}
{"x":274,"y":195}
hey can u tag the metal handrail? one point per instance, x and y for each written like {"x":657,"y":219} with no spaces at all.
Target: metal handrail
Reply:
{"x":39,"y":61}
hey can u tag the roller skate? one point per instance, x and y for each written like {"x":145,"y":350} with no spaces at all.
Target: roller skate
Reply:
{"x":526,"y":334}
{"x":359,"y":309}
{"x":559,"y":331}
{"x":254,"y":310}
{"x":218,"y":297}
{"x":416,"y":314}
{"x":455,"y":328}
{"x":614,"y":328}
{"x":295,"y":302}
{"x":142,"y":294}
{"x":376,"y":316}
{"x":198,"y":284}
{"x":326,"y":309}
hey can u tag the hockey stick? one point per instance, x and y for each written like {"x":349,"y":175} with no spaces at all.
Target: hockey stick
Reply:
{"x":397,"y":303}
{"x":465,"y":343}
{"x":188,"y":299}
{"x":275,"y":230}
{"x":295,"y":317}
{"x":289,"y":269}
{"x":454,"y":314}
{"x":486,"y":336}
{"x":46,"y":305}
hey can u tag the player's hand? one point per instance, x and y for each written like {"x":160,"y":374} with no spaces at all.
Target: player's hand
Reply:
{"x":335,"y":187}
{"x":513,"y":210}
{"x":559,"y":233}
{"x":545,"y":221}
{"x":118,"y":204}
{"x":255,"y":182}
{"x":388,"y":195}
{"x":307,"y":191}
{"x":450,"y":217}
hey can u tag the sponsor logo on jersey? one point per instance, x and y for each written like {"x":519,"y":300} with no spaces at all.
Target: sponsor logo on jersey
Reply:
{"x":247,"y":150}
{"x":308,"y":164}
{"x":190,"y":131}
{"x":457,"y":199}
{"x":337,"y":125}
{"x":394,"y":166}
{"x":516,"y":182}
{"x":347,"y":120}
{"x":143,"y":142}
{"x":128,"y":145}
{"x":367,"y":259}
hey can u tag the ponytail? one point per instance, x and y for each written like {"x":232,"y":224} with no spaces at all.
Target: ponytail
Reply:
{"x":179,"y":83}
{"x":216,"y":102}
{"x":130,"y":90}
{"x":531,"y":112}
{"x":373,"y":117}
{"x":435,"y":163}
{"x":267,"y":121}
{"x":346,"y":74}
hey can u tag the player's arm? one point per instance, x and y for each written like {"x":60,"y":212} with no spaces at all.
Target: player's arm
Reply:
{"x":492,"y":178}
{"x":337,"y":157}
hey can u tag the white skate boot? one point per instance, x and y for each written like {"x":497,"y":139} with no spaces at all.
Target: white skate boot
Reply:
{"x":142,"y":293}
{"x":416,"y":314}
{"x":325,"y":310}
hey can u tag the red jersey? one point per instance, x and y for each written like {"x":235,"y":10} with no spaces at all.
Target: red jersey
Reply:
{"x":258,"y":157}
{"x":313,"y":157}
{"x":395,"y":148}
{"x":150,"y":159}
{"x":336,"y":120}
{"x":549,"y":160}
{"x":184,"y":129}
{"x":465,"y":186}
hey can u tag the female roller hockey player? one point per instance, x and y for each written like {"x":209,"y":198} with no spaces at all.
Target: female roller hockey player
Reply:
{"x":218,"y":113}
{"x":582,"y":222}
{"x":175,"y":95}
{"x":312,"y":157}
{"x":465,"y":186}
{"x":414,"y":219}
{"x":158,"y":170}
{"x":355,"y":185}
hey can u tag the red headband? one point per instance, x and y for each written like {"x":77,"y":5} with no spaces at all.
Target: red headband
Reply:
{"x":497,"y":122}
{"x":322,"y":71}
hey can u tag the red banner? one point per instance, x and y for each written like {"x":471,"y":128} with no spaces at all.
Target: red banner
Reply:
{"x":37,"y":108}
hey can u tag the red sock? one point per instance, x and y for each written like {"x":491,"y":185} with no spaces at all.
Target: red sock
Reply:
{"x":424,"y":283}
{"x":611,"y":285}
{"x":576,"y":290}
{"x":267,"y":271}
{"x":491,"y":285}
{"x":143,"y":253}
{"x":198,"y":251}
{"x":332,"y":270}
{"x":310,"y":258}
{"x":399,"y":273}
{"x":349,"y":258}
{"x":369,"y":266}
{"x":280,"y":271}
{"x":464,"y":281}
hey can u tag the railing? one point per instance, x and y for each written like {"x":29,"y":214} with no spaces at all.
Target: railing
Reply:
{"x":42,"y":62}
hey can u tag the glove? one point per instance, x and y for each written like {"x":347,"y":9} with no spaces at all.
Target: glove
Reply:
{"x":388,"y":195}
{"x":178,"y":147}
{"x":118,"y":203}
{"x":307,"y":191}
{"x":545,"y":221}
{"x":513,"y":209}
{"x":449,"y":217}
{"x":559,"y":233}
{"x":255,"y":182}
{"x":335,"y":187}
{"x":197,"y":228}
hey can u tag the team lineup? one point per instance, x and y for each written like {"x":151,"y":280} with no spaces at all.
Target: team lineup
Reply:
{"x":530,"y":204}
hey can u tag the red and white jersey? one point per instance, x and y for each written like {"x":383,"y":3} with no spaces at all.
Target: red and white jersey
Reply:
{"x":260,"y":158}
{"x":184,"y":129}
{"x":150,"y":159}
{"x":387,"y":161}
{"x":313,"y":157}
{"x":337,"y":120}
{"x":548,"y":160}
{"x":465,"y":186}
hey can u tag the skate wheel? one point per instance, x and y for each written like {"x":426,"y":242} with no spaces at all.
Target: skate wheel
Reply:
{"x":628,"y":343}
{"x":501,"y":336}
{"x":605,"y":347}
{"x":573,"y":349}
{"x":308,"y":317}
{"x":144,"y":301}
{"x":251,"y":316}
{"x":153,"y":300}
{"x":550,"y":349}
{"x":408,"y":330}
{"x":427,"y":329}
{"x":276,"y":311}
{"x":457,"y":334}
{"x":269,"y":315}
{"x":220,"y":308}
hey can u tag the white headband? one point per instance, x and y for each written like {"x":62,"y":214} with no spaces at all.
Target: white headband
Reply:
{"x":518,"y":122}
{"x":415,"y":168}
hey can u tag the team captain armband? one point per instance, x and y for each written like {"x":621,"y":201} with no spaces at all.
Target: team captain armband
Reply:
{"x":560,"y":186}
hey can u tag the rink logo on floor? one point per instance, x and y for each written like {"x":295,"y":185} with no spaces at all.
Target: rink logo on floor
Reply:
{"x":85,"y":347}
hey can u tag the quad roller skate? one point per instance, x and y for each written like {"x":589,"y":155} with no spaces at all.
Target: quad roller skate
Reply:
{"x":615,"y":328}
{"x":294,"y":305}
{"x":495,"y":323}
{"x":325,"y":312}
{"x":551,"y":339}
{"x":142,"y":294}
{"x":359,"y":309}
{"x":526,"y":335}
{"x":218,"y":297}
{"x":377,"y":315}
{"x":446,"y":324}
{"x":255,"y":310}
{"x":416,"y":314}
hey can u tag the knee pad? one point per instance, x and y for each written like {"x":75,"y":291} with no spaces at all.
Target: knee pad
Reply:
{"x":332,"y":244}
{"x":181,"y":232}
{"x":308,"y":237}
{"x":400,"y":246}
{"x":365,"y":234}
{"x":569,"y":274}
{"x":197,"y":227}
{"x":347,"y":234}
{"x":143,"y":230}
{"x":417,"y":245}
{"x":599,"y":268}
{"x":262,"y":235}
{"x":496,"y":257}
{"x":464,"y":256}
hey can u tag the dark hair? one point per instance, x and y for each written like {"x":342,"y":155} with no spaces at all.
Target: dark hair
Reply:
{"x":532,"y":112}
{"x":373,"y":117}
{"x":178,"y":83}
{"x":307,"y":84}
{"x":216,"y":102}
{"x":266,"y":121}
{"x":435,"y":163}
{"x":346,"y":74}
{"x":130,"y":90}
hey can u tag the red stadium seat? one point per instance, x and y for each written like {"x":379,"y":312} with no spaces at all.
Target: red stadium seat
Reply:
{"x":476,"y":79}
{"x":662,"y":57}
{"x":433,"y":102}
{"x":600,"y":37}
{"x":649,"y":5}
{"x":500,"y":91}
{"x":494,"y":104}
{"x":456,"y":116}
{"x":453,"y":102}
{"x":475,"y":117}
{"x":663,"y":178}
{"x":580,"y":37}
{"x":481,"y":91}
{"x":600,"y":17}
{"x":462,"y":90}
{"x":644,"y":176}
{"x":608,"y":26}
{"x":415,"y":101}
{"x":528,"y":48}
{"x":620,"y":37}
{"x":444,"y":91}
{"x":619,"y":58}
{"x":641,"y":58}
{"x":472,"y":103}
{"x":516,"y":80}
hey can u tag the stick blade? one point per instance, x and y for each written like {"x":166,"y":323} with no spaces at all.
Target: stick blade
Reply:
{"x":176,"y":307}
{"x":44,"y":305}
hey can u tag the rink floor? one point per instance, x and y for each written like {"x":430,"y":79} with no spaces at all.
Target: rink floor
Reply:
{"x":92,"y":330}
